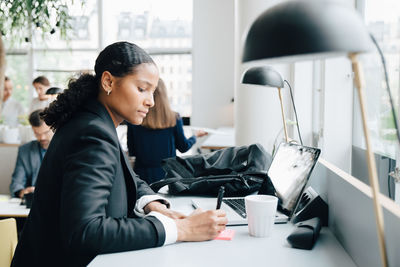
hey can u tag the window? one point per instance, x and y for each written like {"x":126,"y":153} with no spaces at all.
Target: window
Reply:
{"x":165,"y":31}
{"x":158,"y":26}
{"x":84,"y":34}
{"x":60,"y":65}
{"x":382,"y":18}
{"x":17,"y":70}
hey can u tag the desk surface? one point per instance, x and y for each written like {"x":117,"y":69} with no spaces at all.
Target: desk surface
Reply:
{"x":219,"y":141}
{"x":242,"y":251}
{"x":12,"y":208}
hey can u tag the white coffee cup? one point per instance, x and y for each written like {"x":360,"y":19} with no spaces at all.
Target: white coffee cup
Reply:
{"x":260,"y":210}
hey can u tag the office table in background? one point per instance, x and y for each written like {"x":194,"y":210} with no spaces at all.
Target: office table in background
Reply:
{"x":222,"y":138}
{"x":242,"y":251}
{"x":12,"y":208}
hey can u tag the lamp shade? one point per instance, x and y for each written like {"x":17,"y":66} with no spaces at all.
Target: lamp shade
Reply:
{"x":263,"y":75}
{"x":306,"y":27}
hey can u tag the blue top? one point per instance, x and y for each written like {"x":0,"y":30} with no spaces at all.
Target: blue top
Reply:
{"x":150,"y":146}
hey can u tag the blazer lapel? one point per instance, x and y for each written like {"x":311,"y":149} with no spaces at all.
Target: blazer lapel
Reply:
{"x":130,"y":182}
{"x":131,"y":187}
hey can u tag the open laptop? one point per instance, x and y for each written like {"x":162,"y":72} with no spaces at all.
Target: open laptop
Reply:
{"x":289,"y":172}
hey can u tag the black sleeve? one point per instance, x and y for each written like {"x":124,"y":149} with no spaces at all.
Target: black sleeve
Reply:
{"x":89,"y":172}
{"x":181,"y":142}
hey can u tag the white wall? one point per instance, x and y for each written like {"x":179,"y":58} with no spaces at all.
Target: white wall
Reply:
{"x":338,"y":117}
{"x":303,"y":90}
{"x":257,"y":109}
{"x":213,"y":63}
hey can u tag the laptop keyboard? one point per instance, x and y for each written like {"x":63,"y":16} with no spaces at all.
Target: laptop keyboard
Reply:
{"x":237,"y":204}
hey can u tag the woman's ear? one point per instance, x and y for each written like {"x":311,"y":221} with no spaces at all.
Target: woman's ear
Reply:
{"x":106,"y":81}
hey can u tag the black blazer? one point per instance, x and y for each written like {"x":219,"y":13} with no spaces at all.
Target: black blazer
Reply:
{"x":84,"y":198}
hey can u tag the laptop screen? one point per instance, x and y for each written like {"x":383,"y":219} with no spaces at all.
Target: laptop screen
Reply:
{"x":289,"y":172}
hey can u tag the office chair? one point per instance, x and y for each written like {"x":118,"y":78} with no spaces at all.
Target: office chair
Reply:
{"x":8,"y":241}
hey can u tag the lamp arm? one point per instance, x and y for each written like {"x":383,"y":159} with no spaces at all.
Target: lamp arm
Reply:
{"x":283,"y":116}
{"x":387,"y":86}
{"x":295,"y":112}
{"x":373,"y":177}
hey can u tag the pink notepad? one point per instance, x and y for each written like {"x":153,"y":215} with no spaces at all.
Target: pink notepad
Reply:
{"x":227,"y":234}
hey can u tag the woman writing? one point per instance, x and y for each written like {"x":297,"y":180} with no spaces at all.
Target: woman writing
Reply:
{"x":158,"y":137}
{"x":87,"y":199}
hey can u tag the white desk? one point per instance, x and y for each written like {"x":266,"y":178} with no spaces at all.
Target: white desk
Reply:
{"x":242,"y":251}
{"x":219,"y":141}
{"x":12,"y":208}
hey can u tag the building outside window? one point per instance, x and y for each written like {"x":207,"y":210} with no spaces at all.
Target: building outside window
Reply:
{"x":165,"y":31}
{"x":158,"y":26}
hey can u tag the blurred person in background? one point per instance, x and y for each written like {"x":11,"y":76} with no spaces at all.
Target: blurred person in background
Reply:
{"x":43,"y":100}
{"x":11,"y":108}
{"x":158,"y":137}
{"x":30,"y":157}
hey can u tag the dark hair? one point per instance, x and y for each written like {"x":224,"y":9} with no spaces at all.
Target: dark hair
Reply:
{"x":120,"y":59}
{"x":54,"y":91}
{"x":41,"y":79}
{"x":34,"y":118}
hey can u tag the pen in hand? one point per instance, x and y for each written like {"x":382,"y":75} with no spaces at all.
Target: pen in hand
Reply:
{"x":221,"y":192}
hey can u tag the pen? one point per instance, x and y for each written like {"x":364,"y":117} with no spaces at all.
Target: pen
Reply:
{"x":221,"y":192}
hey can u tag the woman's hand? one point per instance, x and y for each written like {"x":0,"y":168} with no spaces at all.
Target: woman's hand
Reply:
{"x":27,"y":190}
{"x":200,"y":133}
{"x":162,"y":208}
{"x":172,"y":214}
{"x":201,"y":225}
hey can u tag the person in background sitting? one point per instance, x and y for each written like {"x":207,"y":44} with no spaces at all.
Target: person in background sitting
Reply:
{"x":11,"y":108}
{"x":30,"y":156}
{"x":158,"y":137}
{"x":43,"y":100}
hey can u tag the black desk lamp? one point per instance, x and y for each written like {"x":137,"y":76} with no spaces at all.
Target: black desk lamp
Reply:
{"x":267,"y":76}
{"x":297,"y":30}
